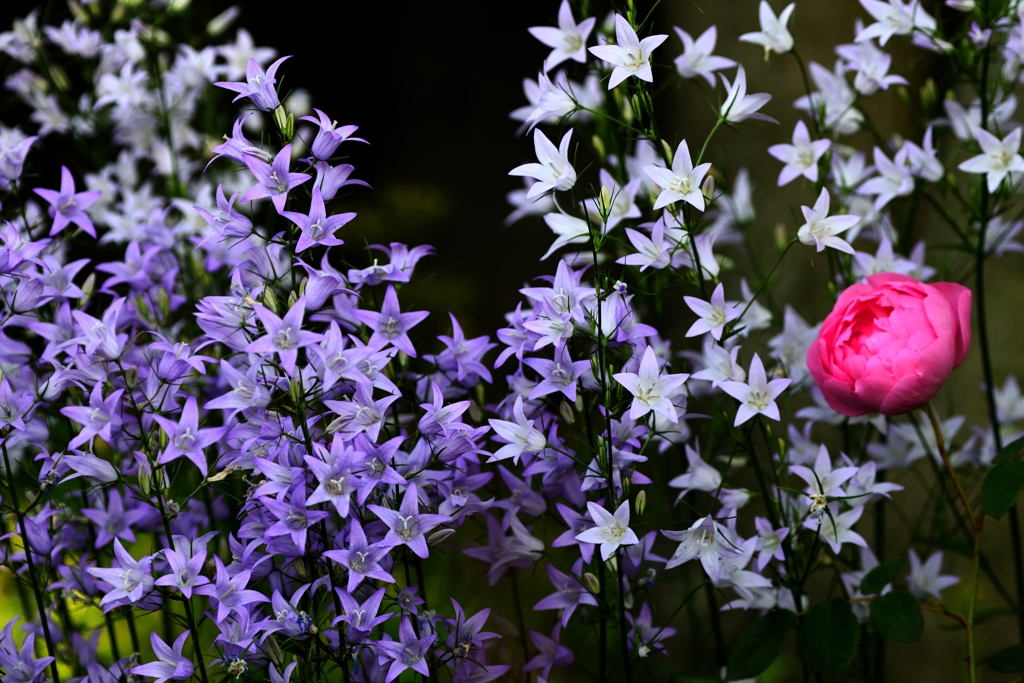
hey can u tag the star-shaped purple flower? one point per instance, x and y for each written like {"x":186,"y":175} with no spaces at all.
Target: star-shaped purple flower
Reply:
{"x":407,"y":526}
{"x":273,"y":180}
{"x":391,"y":326}
{"x":284,"y":336}
{"x":67,"y":207}
{"x":317,"y":227}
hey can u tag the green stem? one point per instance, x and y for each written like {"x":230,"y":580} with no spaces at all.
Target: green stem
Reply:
{"x":36,"y":588}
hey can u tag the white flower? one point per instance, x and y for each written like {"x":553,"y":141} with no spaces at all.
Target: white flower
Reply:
{"x":1009,"y":401}
{"x":998,"y":158}
{"x":895,"y":18}
{"x":706,"y":540}
{"x":697,"y":59}
{"x":719,"y":364}
{"x":611,"y":531}
{"x":894,"y":178}
{"x":630,"y":56}
{"x":713,"y":316}
{"x":570,"y":230}
{"x":835,"y":96}
{"x":569,"y":40}
{"x":925,"y":579}
{"x":838,"y":529}
{"x":757,"y":395}
{"x":700,"y":476}
{"x":682,"y":182}
{"x":651,"y":390}
{"x":790,"y":346}
{"x":801,"y":158}
{"x":521,"y":435}
{"x":824,"y":480}
{"x":821,"y":229}
{"x":738,"y":105}
{"x":773,"y":34}
{"x":621,"y":199}
{"x":923,"y":160}
{"x":885,"y":260}
{"x":553,"y":172}
{"x":872,"y":67}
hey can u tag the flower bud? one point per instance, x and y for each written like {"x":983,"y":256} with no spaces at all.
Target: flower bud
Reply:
{"x":641,"y":502}
{"x":598,"y":145}
{"x":274,"y":650}
{"x":929,"y":94}
{"x":163,"y":300}
{"x":627,"y":600}
{"x":565,"y":409}
{"x":668,"y":151}
{"x":285,"y":122}
{"x":475,"y":412}
{"x":88,"y":288}
{"x":220,"y":23}
{"x":707,"y":188}
{"x":440,"y":536}
{"x":131,"y":377}
{"x":593,"y":585}
{"x":269,"y":299}
{"x":779,"y":236}
{"x":292,"y":298}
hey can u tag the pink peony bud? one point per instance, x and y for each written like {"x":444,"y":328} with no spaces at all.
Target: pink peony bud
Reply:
{"x":889,"y":344}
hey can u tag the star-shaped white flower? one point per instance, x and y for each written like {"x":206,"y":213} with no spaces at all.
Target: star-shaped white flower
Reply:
{"x":801,"y":158}
{"x":612,"y":530}
{"x":697,"y":59}
{"x":553,"y":170}
{"x":630,"y":56}
{"x":838,"y":529}
{"x":738,"y":105}
{"x":757,"y":395}
{"x":998,"y":158}
{"x":706,"y":540}
{"x":925,"y":579}
{"x":774,"y":35}
{"x":713,"y":316}
{"x":569,"y":230}
{"x":700,"y":476}
{"x":894,"y":178}
{"x":821,"y":229}
{"x":520,"y":436}
{"x":651,"y":390}
{"x":895,"y":18}
{"x":719,"y":364}
{"x":682,"y":182}
{"x":824,"y":480}
{"x":568,"y":41}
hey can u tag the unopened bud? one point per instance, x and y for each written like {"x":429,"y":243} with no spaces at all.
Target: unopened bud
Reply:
{"x":929,"y":94}
{"x":269,"y":299}
{"x":299,"y":566}
{"x":779,"y":235}
{"x":172,"y":509}
{"x":222,"y":21}
{"x":440,"y":536}
{"x":88,"y":287}
{"x":593,"y":585}
{"x":145,"y":483}
{"x":285,"y":122}
{"x":565,"y":409}
{"x":175,"y":6}
{"x":475,"y":413}
{"x":598,"y":145}
{"x":627,"y":600}
{"x":163,"y":300}
{"x":223,"y":474}
{"x":707,"y":188}
{"x":59,"y":78}
{"x":604,"y":203}
{"x":295,"y":391}
{"x":274,"y":650}
{"x":668,"y":151}
{"x":641,"y":502}
{"x":131,"y":377}
{"x":579,"y":401}
{"x":292,"y":298}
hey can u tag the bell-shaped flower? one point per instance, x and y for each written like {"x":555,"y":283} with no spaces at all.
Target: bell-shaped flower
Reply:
{"x":757,"y":395}
{"x":185,"y":439}
{"x":801,"y":157}
{"x":630,"y":56}
{"x":822,"y":230}
{"x":552,"y":170}
{"x":651,"y":390}
{"x":568,"y":40}
{"x":682,"y":182}
{"x":774,"y":35}
{"x":611,"y":530}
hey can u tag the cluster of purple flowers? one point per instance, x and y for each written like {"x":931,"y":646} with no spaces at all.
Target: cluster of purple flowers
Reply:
{"x":221,"y":425}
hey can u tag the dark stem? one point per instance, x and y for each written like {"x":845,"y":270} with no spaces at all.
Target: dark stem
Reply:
{"x":36,"y":588}
{"x":521,"y":620}
{"x":621,"y":560}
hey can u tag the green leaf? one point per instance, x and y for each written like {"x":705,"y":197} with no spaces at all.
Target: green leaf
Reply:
{"x":827,"y":641}
{"x":1008,"y":660}
{"x":1002,"y":486}
{"x":897,"y":617}
{"x":876,"y":579}
{"x":1009,"y":451}
{"x":759,"y":645}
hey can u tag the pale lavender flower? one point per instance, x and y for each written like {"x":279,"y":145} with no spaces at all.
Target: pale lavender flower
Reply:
{"x":171,"y":664}
{"x":67,"y":207}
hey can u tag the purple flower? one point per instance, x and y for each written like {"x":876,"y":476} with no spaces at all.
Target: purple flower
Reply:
{"x":293,"y":518}
{"x":128,"y":582}
{"x":100,"y":336}
{"x":283,"y":336}
{"x":569,"y":594}
{"x":112,"y":521}
{"x":550,"y":654}
{"x":558,"y":375}
{"x":362,"y":414}
{"x":170,"y":664}
{"x":12,"y":158}
{"x":330,"y":179}
{"x":68,"y":207}
{"x":362,"y":560}
{"x":273,"y":180}
{"x":463,"y":356}
{"x":362,"y":617}
{"x":229,"y":221}
{"x":185,"y":572}
{"x":467,"y":632}
{"x":335,"y":474}
{"x":100,"y":419}
{"x":330,"y":136}
{"x":390,"y":326}
{"x":186,"y":439}
{"x":406,"y":525}
{"x":409,"y":652}
{"x":317,"y":228}
{"x":21,"y":665}
{"x":228,"y":593}
{"x":258,"y":85}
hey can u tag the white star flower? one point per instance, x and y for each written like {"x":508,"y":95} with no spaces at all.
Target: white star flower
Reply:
{"x":569,"y":40}
{"x":612,"y":530}
{"x":682,"y":182}
{"x":998,"y":159}
{"x":774,"y":35}
{"x":553,"y":172}
{"x":630,"y":56}
{"x":801,"y":157}
{"x":757,"y":395}
{"x":651,"y":390}
{"x":821,"y":229}
{"x":713,"y":316}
